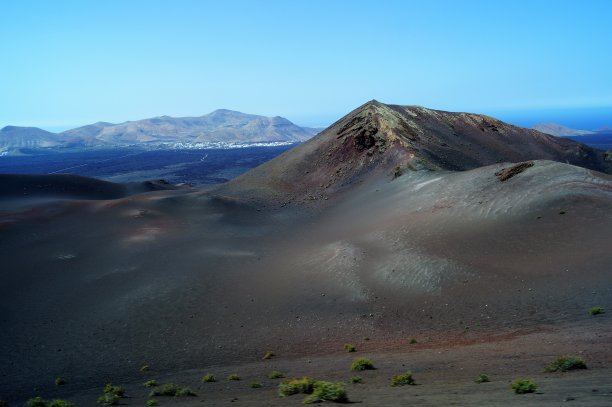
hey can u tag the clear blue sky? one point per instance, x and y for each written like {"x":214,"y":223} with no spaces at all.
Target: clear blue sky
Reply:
{"x":69,"y":63}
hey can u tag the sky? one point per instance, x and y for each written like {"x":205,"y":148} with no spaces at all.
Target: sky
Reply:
{"x":70,"y":63}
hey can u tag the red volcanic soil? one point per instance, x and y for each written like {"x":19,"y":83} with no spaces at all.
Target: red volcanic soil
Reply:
{"x":492,"y":270}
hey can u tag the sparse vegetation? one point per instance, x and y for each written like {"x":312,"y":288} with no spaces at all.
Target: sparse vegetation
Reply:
{"x":326,"y":391}
{"x":255,"y":385}
{"x":151,"y":402}
{"x":317,"y":390}
{"x":356,"y":379}
{"x":596,"y":310}
{"x":360,"y":364}
{"x":268,"y":355}
{"x":209,"y":378}
{"x":145,"y":368}
{"x":413,"y":341}
{"x":60,"y":403}
{"x":116,"y":390}
{"x":295,"y":386}
{"x":171,"y":389}
{"x":233,"y":377}
{"x":109,"y":399}
{"x":111,"y":395}
{"x":60,"y":382}
{"x":40,"y":402}
{"x":565,"y":363}
{"x":482,"y":378}
{"x":36,"y":402}
{"x":150,"y":383}
{"x":276,"y":375}
{"x":402,"y":379}
{"x":349,"y":348}
{"x":522,"y":386}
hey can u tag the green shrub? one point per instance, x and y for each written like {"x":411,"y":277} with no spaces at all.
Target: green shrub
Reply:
{"x":60,"y":403}
{"x":360,"y":364}
{"x":482,"y":378}
{"x":295,"y":386}
{"x":109,"y":399}
{"x":115,"y":390}
{"x":356,"y":379}
{"x":60,"y":382}
{"x":565,"y":363}
{"x":402,"y":379}
{"x":327,"y":391}
{"x":522,"y":386}
{"x":185,"y":392}
{"x":596,"y":310}
{"x":150,"y":383}
{"x":276,"y":375}
{"x":349,"y":348}
{"x":145,"y":368}
{"x":268,"y":355}
{"x":151,"y":402}
{"x":171,"y":389}
{"x":36,"y":402}
{"x":412,"y":341}
{"x":233,"y":377}
{"x":255,"y":385}
{"x":209,"y":378}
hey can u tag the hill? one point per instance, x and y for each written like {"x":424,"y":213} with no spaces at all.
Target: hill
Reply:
{"x":378,"y":140}
{"x":559,"y":130}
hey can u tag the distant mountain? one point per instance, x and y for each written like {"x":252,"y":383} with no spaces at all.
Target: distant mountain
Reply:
{"x":221,"y":128}
{"x":559,"y":130}
{"x":14,"y":137}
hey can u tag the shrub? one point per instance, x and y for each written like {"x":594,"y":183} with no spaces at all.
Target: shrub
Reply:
{"x":356,"y":379}
{"x":60,"y":403}
{"x":171,"y":389}
{"x":412,"y":341}
{"x":360,"y":364}
{"x":402,"y":379}
{"x":150,"y":383}
{"x":209,"y":378}
{"x":327,"y":391}
{"x":276,"y":375}
{"x":36,"y":402}
{"x":482,"y":378}
{"x":522,"y":386}
{"x":255,"y":385}
{"x":349,"y":348}
{"x":151,"y":402}
{"x":295,"y":386}
{"x":596,"y":310}
{"x":60,"y":382}
{"x":233,"y":377}
{"x":565,"y":363}
{"x":109,"y":399}
{"x":145,"y":368}
{"x":115,"y":390}
{"x":268,"y":355}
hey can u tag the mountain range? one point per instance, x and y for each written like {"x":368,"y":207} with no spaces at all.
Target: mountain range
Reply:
{"x":219,"y":128}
